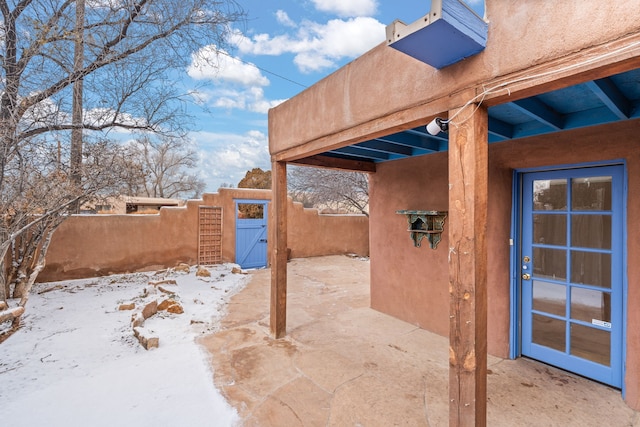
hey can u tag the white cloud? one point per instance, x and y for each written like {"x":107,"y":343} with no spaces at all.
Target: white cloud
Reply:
{"x":263,"y":44}
{"x":211,"y":63}
{"x":236,"y":84}
{"x":245,"y":98}
{"x":318,"y":46}
{"x":226,"y":157}
{"x":283,"y":18}
{"x":348,"y":8}
{"x":230,"y":102}
{"x":101,"y":116}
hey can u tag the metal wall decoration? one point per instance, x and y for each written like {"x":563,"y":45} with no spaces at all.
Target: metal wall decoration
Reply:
{"x":429,"y":224}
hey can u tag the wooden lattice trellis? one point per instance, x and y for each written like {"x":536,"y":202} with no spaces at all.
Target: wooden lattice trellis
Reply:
{"x":210,"y":235}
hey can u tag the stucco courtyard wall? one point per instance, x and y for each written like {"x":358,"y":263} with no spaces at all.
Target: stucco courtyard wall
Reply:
{"x":94,"y":245}
{"x":412,"y":283}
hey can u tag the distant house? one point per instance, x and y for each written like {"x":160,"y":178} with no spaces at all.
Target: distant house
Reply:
{"x":534,"y":164}
{"x":129,"y":205}
{"x":148,"y":204}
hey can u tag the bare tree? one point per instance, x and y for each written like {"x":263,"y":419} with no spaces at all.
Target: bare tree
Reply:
{"x":39,"y":192}
{"x":160,"y":167}
{"x":129,"y":49}
{"x":330,"y":189}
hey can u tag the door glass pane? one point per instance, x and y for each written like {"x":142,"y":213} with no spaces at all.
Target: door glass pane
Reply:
{"x":591,"y":231}
{"x":550,"y":194}
{"x":549,"y":332}
{"x":549,"y":297}
{"x":550,"y":263}
{"x":550,"y":229}
{"x":591,"y":268}
{"x":591,"y":344}
{"x":590,"y":306}
{"x":592,"y":193}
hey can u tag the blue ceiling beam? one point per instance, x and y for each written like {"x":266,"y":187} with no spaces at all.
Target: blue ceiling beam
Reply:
{"x":421,"y":131}
{"x":611,"y":96}
{"x":361,"y":152}
{"x":500,"y":129}
{"x":414,"y":140}
{"x":386,"y":147}
{"x":592,"y":117}
{"x":334,"y":155}
{"x":635,"y":110}
{"x":540,"y":112}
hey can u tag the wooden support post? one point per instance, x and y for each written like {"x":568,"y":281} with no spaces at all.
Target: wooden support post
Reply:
{"x":278,"y":309}
{"x":468,"y":176}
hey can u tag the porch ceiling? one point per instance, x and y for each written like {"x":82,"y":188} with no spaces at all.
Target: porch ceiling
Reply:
{"x":592,"y":103}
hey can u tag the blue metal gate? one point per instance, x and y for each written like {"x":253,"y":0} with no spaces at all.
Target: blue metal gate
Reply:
{"x":251,"y":233}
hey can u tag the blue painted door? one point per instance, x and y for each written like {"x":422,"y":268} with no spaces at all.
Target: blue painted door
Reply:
{"x":571,"y":270}
{"x":251,"y":233}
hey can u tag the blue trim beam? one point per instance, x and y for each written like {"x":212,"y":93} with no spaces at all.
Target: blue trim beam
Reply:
{"x":429,"y":145}
{"x":540,"y":111}
{"x":361,"y":152}
{"x":386,"y":147}
{"x":500,"y":129}
{"x":611,"y":96}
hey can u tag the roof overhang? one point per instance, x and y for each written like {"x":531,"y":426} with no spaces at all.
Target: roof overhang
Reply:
{"x":595,"y":102}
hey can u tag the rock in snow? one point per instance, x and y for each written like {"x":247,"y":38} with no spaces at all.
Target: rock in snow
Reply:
{"x":148,"y":339}
{"x":203,"y":272}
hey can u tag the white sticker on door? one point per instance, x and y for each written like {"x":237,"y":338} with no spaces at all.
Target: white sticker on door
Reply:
{"x":601,"y":323}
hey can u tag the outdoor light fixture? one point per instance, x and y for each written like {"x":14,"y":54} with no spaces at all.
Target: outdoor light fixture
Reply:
{"x":437,"y":125}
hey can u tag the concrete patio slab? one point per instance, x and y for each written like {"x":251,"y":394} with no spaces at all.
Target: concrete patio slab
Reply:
{"x":344,"y":364}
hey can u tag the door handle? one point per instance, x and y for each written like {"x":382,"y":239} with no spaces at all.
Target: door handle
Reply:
{"x":526,"y":276}
{"x":263,"y":240}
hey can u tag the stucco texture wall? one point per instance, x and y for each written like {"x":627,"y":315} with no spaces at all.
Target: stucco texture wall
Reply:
{"x":95,"y":245}
{"x":385,"y":89}
{"x":310,"y":234}
{"x":533,"y":47}
{"x":412,"y":283}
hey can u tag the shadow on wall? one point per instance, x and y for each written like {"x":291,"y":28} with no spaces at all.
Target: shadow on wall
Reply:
{"x":97,"y":245}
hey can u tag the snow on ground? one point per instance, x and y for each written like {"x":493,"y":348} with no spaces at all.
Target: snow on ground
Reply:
{"x":75,"y":362}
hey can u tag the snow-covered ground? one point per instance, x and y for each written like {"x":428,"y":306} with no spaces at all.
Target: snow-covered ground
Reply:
{"x":75,"y":361}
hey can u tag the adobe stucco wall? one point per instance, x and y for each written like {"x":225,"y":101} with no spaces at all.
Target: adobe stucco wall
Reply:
{"x":535,"y":45}
{"x":310,"y":234}
{"x":94,"y":245}
{"x":412,"y":283}
{"x":346,"y":106}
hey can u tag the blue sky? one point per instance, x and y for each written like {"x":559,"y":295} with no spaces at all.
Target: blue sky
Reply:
{"x":283,"y":47}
